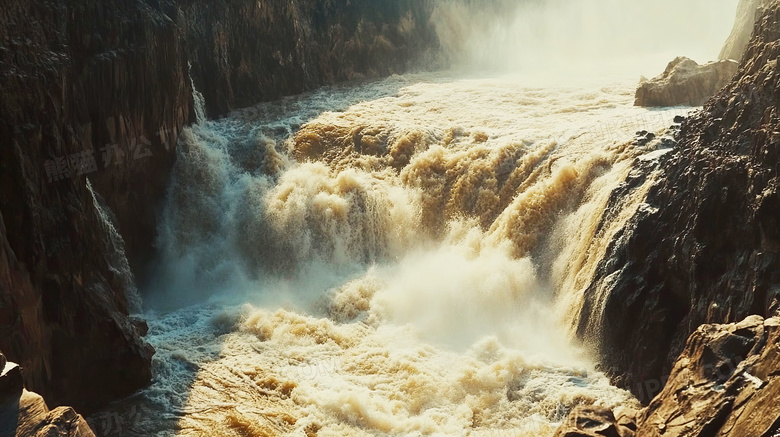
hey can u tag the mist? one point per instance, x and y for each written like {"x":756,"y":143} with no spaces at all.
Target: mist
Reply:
{"x":561,"y":37}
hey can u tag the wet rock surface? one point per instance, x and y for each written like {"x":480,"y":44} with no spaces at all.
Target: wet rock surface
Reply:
{"x":100,"y":90}
{"x":684,"y":82}
{"x":707,"y":247}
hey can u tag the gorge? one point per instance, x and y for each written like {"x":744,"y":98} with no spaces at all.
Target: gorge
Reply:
{"x":377,"y":249}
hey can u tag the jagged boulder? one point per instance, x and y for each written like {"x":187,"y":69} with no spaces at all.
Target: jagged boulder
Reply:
{"x":25,"y":414}
{"x":33,"y":419}
{"x":685,"y":82}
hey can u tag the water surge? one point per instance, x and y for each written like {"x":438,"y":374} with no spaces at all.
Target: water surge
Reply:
{"x":392,"y":258}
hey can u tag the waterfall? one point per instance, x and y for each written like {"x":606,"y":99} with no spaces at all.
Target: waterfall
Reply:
{"x":197,"y":99}
{"x":115,"y":250}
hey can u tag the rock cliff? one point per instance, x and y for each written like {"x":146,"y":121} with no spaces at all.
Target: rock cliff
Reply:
{"x":84,"y":96}
{"x":706,"y":249}
{"x":99,"y":90}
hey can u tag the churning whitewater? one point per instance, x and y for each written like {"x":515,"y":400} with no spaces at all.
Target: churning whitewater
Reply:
{"x":400,"y":257}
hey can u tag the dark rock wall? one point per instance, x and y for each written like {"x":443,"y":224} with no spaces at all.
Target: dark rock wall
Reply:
{"x":243,"y":52}
{"x":708,"y":248}
{"x":100,"y":89}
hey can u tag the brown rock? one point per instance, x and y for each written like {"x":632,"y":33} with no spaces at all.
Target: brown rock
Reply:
{"x":625,"y":418}
{"x":34,"y":419}
{"x":64,"y":422}
{"x":684,"y":82}
{"x":725,"y":383}
{"x":25,"y":414}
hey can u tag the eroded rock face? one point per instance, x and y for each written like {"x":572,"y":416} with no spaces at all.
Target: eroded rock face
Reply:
{"x":707,"y":247}
{"x":84,"y":95}
{"x":725,"y":383}
{"x":595,"y":421}
{"x":686,"y":83}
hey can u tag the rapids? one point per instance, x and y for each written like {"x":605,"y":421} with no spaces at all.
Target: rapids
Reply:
{"x":398,"y":257}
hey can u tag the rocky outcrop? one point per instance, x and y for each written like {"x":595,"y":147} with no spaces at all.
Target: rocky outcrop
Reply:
{"x":725,"y":383}
{"x":706,"y":249}
{"x":686,"y":83}
{"x":99,"y":90}
{"x":743,"y":28}
{"x":259,"y":51}
{"x":25,"y":414}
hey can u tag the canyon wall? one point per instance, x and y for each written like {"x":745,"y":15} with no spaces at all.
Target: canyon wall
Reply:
{"x":94,"y":95}
{"x":244,"y":52}
{"x":707,"y":247}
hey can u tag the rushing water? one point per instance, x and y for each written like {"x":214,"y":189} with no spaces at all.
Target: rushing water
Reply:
{"x":114,"y":250}
{"x":407,"y":256}
{"x":401,"y":257}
